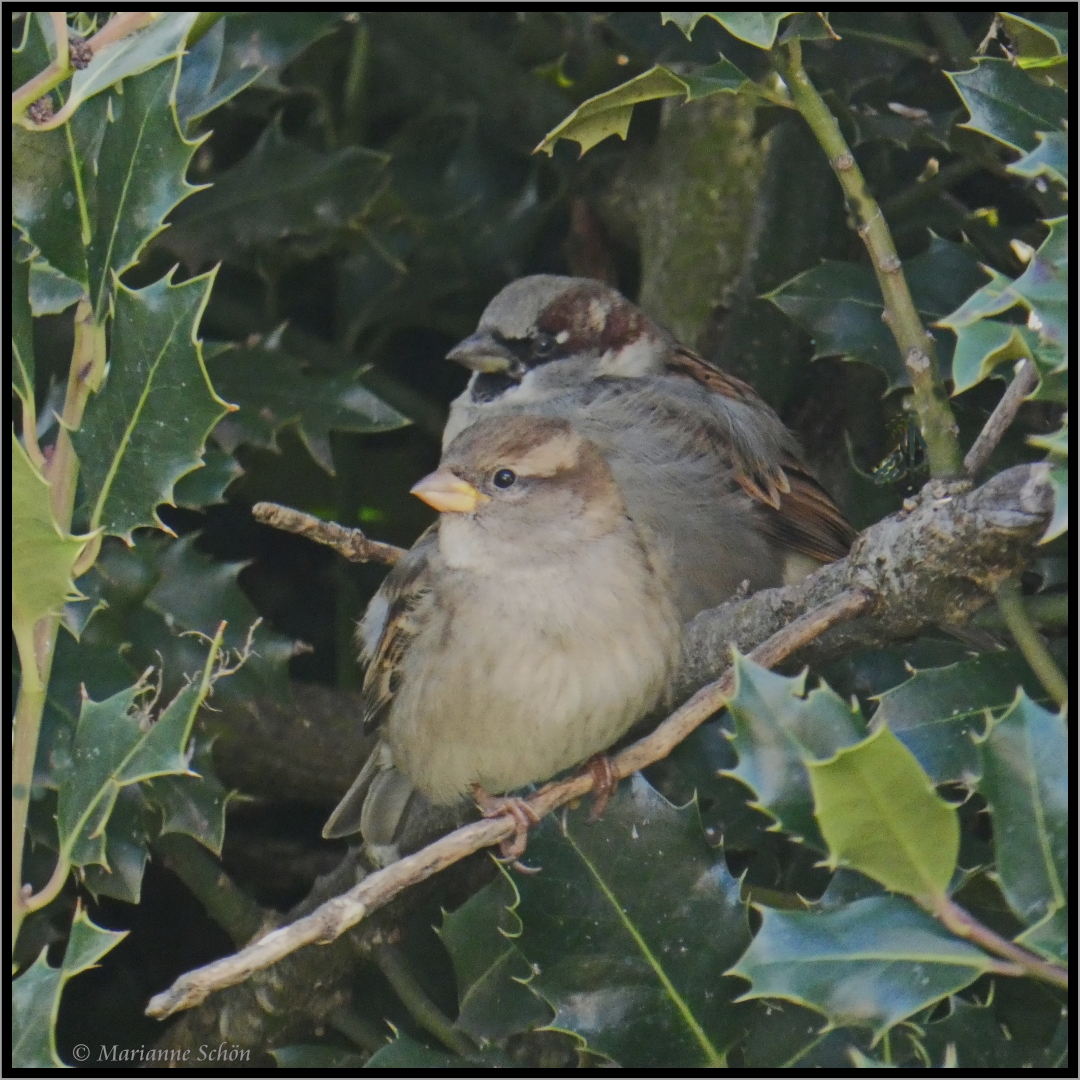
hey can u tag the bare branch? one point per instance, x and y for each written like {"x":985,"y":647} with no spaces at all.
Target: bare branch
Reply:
{"x":1001,"y":418}
{"x":935,"y":563}
{"x":343,"y":912}
{"x":351,"y":543}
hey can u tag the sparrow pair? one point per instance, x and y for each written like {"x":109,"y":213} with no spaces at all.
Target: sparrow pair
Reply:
{"x":600,"y":485}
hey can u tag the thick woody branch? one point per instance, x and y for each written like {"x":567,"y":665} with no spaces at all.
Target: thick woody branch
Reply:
{"x":335,"y":917}
{"x":937,"y":562}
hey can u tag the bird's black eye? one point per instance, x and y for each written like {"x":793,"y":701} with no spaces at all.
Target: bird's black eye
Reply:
{"x":544,"y":345}
{"x":504,"y":478}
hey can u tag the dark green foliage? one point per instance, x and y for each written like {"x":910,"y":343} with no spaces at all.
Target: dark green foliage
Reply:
{"x":328,"y":200}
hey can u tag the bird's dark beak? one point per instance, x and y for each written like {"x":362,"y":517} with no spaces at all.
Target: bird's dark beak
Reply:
{"x":481,"y":352}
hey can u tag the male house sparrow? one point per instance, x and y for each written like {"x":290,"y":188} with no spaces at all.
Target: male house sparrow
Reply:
{"x":707,"y":470}
{"x":525,"y":632}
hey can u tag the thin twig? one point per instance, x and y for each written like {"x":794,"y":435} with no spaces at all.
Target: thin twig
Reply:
{"x":336,"y":916}
{"x":352,"y":543}
{"x":1050,"y":611}
{"x":916,"y":346}
{"x":964,"y":925}
{"x":1001,"y":418}
{"x":119,"y":26}
{"x":1031,"y":645}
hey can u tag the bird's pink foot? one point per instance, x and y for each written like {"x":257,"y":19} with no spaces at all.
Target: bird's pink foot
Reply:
{"x":605,"y":781}
{"x":523,"y":815}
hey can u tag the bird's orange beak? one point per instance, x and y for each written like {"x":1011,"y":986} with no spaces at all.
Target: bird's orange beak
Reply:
{"x":449,"y":494}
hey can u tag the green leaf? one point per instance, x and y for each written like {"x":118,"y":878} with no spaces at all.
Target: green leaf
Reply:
{"x":1025,"y":781}
{"x":609,"y":113}
{"x":406,"y":1053}
{"x":45,"y":199}
{"x":1057,"y":443}
{"x":194,"y":592}
{"x":938,"y":711}
{"x":631,"y":923}
{"x":983,"y":346}
{"x":273,"y":390}
{"x":494,"y":1000}
{"x":777,"y":730}
{"x":270,"y":40}
{"x":42,"y":556}
{"x":870,"y":964}
{"x":50,"y":291}
{"x":127,"y":839}
{"x":1050,"y":936}
{"x":755,"y":27}
{"x":880,"y":815}
{"x":138,"y":177}
{"x":162,"y":40}
{"x":1034,"y":40}
{"x":1009,"y":105}
{"x":206,"y":485}
{"x":199,"y":90}
{"x":193,"y":803}
{"x":117,"y":743}
{"x":1050,"y":158}
{"x":147,"y":426}
{"x":281,"y":189}
{"x":316,"y":1056}
{"x":35,"y":994}
{"x":22,"y":337}
{"x":1059,"y":522}
{"x":840,"y":305}
{"x":980,"y":1042}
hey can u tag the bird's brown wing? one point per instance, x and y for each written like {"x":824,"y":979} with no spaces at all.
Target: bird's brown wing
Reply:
{"x":405,"y":590}
{"x":807,"y":520}
{"x":794,"y":509}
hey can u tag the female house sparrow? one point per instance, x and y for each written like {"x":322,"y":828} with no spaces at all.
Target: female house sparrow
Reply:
{"x":707,"y":470}
{"x":526,"y":631}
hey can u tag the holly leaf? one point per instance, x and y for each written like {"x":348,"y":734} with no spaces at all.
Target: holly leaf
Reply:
{"x":116,"y":744}
{"x":192,"y":803}
{"x":35,"y":994}
{"x":754,"y":27}
{"x":1007,"y":104}
{"x":870,"y":964}
{"x":630,"y":924}
{"x":273,"y":390}
{"x":135,"y":178}
{"x":1050,"y":936}
{"x":317,"y":1056}
{"x":148,"y":425}
{"x":1025,"y":780}
{"x":839,"y":304}
{"x":879,"y":814}
{"x":1059,"y":521}
{"x":132,"y":55}
{"x":127,"y":836}
{"x":206,"y":485}
{"x":481,"y":936}
{"x":980,"y":1043}
{"x":281,"y":189}
{"x":938,"y":712}
{"x":777,"y":731}
{"x":610,"y":113}
{"x":42,"y":556}
{"x":986,"y":345}
{"x":200,"y":89}
{"x":50,"y":291}
{"x":1050,"y":159}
